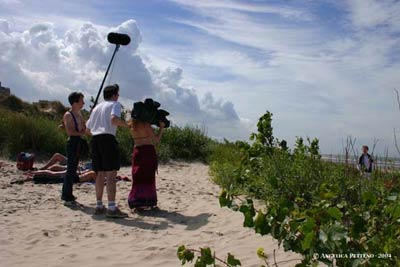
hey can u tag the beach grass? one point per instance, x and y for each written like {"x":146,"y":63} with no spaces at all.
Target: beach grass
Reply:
{"x":22,"y":130}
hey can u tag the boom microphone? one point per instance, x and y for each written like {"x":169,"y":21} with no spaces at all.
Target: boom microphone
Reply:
{"x":118,"y":38}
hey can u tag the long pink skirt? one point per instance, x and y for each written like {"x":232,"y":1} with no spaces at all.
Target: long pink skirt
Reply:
{"x":144,"y":166}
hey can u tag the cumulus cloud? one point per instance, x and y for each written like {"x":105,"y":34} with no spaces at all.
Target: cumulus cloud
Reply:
{"x":41,"y":63}
{"x":4,"y":27}
{"x":219,"y":117}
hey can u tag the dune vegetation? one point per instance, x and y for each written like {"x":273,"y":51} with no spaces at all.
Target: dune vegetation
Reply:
{"x":312,"y":207}
{"x":327,"y":212}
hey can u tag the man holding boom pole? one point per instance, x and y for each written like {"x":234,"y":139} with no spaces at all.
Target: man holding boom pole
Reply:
{"x":102,"y":124}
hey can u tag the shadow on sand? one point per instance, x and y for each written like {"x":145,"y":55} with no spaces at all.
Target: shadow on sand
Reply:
{"x":191,"y":222}
{"x":171,"y":217}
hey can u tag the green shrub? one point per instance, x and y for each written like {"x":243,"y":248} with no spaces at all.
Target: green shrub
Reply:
{"x":312,"y":207}
{"x":125,"y":142}
{"x":12,"y":103}
{"x":32,"y":132}
{"x":35,"y":134}
{"x":184,"y":143}
{"x":225,"y":162}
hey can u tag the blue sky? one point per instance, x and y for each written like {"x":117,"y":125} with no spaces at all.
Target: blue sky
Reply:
{"x":325,"y":69}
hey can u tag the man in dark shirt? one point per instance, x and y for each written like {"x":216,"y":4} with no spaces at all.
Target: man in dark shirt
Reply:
{"x":366,"y":161}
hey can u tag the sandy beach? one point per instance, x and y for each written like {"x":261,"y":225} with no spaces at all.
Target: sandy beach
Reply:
{"x":38,"y":230}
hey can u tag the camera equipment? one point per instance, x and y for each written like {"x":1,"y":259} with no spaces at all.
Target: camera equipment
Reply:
{"x":148,"y":111}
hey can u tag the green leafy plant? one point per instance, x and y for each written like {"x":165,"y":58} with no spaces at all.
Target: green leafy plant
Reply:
{"x":205,"y":257}
{"x":311,"y":207}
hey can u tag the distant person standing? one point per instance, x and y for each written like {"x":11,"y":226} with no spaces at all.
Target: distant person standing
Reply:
{"x":75,"y":128}
{"x":103,"y":123}
{"x":365,"y":161}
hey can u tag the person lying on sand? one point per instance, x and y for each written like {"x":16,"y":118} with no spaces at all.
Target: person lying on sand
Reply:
{"x":47,"y":176}
{"x":44,"y":176}
{"x":57,"y":162}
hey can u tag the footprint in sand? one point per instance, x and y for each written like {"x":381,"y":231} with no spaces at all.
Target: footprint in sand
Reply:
{"x":89,"y":235}
{"x":33,"y":242}
{"x":102,"y":235}
{"x":51,"y":233}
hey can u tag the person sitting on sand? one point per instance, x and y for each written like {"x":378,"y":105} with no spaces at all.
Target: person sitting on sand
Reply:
{"x":144,"y":165}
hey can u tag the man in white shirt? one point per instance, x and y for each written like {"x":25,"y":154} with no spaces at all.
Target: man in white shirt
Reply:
{"x":102,"y":124}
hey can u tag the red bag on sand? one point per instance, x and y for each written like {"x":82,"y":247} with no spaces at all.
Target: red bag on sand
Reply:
{"x":25,"y":161}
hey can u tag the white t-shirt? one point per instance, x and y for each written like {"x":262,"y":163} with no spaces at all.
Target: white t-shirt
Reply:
{"x":100,"y":119}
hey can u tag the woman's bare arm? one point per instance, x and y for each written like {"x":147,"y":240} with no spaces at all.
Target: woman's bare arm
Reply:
{"x":156,"y":137}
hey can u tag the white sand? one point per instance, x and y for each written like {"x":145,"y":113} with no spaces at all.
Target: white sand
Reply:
{"x":37,"y":230}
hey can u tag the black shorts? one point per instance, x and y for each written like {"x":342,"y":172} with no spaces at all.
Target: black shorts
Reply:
{"x":105,"y":153}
